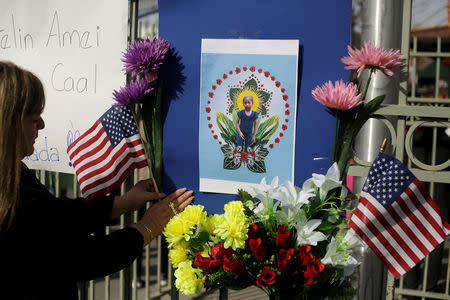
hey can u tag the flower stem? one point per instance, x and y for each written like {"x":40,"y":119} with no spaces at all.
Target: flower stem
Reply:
{"x":367,"y":85}
{"x":335,"y":136}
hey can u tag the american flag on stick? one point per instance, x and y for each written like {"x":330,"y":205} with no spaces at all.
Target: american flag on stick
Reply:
{"x":396,"y":217}
{"x":107,"y":152}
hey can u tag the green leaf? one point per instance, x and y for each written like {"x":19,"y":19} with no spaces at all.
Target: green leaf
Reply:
{"x":262,"y":110}
{"x":225,"y":124}
{"x":234,"y":93}
{"x":268,"y":128}
{"x":257,"y":167}
{"x":231,"y":108}
{"x":230,"y":163}
{"x":263,"y":96}
{"x":251,"y":85}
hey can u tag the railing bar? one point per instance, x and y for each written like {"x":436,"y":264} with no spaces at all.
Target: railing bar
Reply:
{"x":107,"y":278}
{"x":429,"y":100}
{"x":91,"y":290}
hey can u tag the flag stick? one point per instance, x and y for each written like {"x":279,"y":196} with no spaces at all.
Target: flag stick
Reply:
{"x":146,"y":153}
{"x":383,"y":145}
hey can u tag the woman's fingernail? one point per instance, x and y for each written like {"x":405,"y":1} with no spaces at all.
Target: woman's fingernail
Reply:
{"x":182,"y":189}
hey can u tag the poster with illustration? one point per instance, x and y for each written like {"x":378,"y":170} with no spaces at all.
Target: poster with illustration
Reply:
{"x":248,"y":97}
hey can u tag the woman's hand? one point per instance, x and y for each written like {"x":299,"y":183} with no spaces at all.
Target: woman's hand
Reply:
{"x":158,"y":214}
{"x":135,"y":198}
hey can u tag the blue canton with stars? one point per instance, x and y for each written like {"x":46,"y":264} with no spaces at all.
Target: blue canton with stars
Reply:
{"x":387,"y":179}
{"x":118,"y":123}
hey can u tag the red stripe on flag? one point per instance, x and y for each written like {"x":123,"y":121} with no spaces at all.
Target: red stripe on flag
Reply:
{"x":91,"y":152}
{"x":375,"y":249}
{"x":408,"y":230}
{"x":382,"y":240}
{"x":106,"y":167}
{"x":425,"y":213}
{"x":92,"y":139}
{"x":118,"y":182}
{"x":401,"y":203}
{"x":96,"y":161}
{"x":391,"y":230}
{"x":78,"y":140}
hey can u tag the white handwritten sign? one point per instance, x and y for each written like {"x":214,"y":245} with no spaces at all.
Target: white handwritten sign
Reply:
{"x":75,"y":48}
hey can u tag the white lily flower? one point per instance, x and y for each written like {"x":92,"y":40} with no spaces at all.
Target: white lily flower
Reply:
{"x":291,"y":202}
{"x":343,"y":252}
{"x":325,"y":183}
{"x":306,"y":234}
{"x":264,"y":193}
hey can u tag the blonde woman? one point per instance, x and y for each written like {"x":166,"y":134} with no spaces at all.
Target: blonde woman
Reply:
{"x":46,"y":245}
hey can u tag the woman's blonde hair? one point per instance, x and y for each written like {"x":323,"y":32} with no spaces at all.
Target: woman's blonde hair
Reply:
{"x":21,"y":93}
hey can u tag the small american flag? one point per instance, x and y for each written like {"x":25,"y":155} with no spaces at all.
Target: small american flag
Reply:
{"x":107,"y":152}
{"x":396,"y":217}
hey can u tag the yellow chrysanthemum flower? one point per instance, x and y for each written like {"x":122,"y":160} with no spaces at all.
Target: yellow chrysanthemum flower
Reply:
{"x":193,"y":214}
{"x":178,"y":253}
{"x":233,"y":229}
{"x":234,"y":206}
{"x":210,"y":223}
{"x":176,"y":230}
{"x":189,"y":280}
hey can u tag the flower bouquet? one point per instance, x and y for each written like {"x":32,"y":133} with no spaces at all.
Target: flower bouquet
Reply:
{"x":290,"y":242}
{"x":142,"y":61}
{"x":294,"y":243}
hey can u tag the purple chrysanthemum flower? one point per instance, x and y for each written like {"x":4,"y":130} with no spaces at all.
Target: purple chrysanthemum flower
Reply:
{"x":144,"y":57}
{"x":132,"y":93}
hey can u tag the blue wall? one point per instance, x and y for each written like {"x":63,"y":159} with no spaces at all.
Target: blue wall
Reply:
{"x":321,"y":26}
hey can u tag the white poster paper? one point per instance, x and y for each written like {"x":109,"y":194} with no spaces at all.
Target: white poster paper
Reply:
{"x":75,"y":48}
{"x":241,"y":144}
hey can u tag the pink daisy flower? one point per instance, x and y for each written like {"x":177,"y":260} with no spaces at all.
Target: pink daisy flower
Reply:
{"x":373,"y":58}
{"x":339,"y":96}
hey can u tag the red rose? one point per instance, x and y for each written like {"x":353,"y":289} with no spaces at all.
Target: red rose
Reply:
{"x":214,"y":87}
{"x":219,"y":81}
{"x":252,"y":68}
{"x":252,"y":231}
{"x":272,"y":78}
{"x":231,"y":72}
{"x":283,"y":237}
{"x":253,"y":154}
{"x":312,"y":271}
{"x":257,"y":248}
{"x":208,"y":118}
{"x":284,"y":259}
{"x":259,"y":70}
{"x":281,"y":134}
{"x":277,"y":140}
{"x":286,"y":105}
{"x":271,"y":146}
{"x":277,"y":84}
{"x":218,"y":253}
{"x":211,"y":94}
{"x":210,"y":125}
{"x":225,"y":76}
{"x":285,"y":97}
{"x":267,"y":277}
{"x":286,"y":120}
{"x":283,"y":90}
{"x":215,"y":136}
{"x":287,"y":112}
{"x":204,"y":263}
{"x":234,"y":266}
{"x":234,"y":151}
{"x":304,"y":258}
{"x":237,"y":70}
{"x":266,"y":73}
{"x":245,"y":68}
{"x":208,"y":110}
{"x":284,"y":126}
{"x":244,"y":155}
